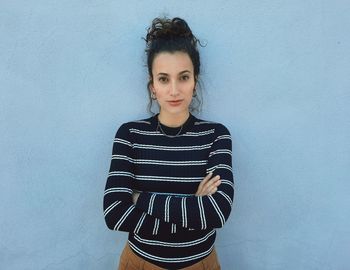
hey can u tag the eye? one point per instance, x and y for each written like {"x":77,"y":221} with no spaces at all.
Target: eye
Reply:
{"x":163,"y":79}
{"x":185,"y":77}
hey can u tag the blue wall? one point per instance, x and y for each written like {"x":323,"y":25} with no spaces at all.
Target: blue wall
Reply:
{"x":275,"y":72}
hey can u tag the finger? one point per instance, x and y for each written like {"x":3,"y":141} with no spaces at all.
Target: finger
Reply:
{"x":205,"y":180}
{"x":203,"y":185}
{"x":207,"y":177}
{"x":213,"y":190}
{"x":215,"y":181}
{"x":210,"y":191}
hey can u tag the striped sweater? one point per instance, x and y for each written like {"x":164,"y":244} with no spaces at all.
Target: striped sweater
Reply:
{"x":169,"y":226}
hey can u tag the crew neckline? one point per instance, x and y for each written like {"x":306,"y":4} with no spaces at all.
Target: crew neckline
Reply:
{"x":173,"y":130}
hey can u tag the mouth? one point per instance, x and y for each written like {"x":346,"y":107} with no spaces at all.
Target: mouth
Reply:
{"x":175,"y":102}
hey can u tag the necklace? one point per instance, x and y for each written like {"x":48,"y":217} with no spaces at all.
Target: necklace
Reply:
{"x":167,"y":135}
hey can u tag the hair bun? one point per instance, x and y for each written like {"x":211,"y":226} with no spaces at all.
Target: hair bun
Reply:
{"x":164,"y":28}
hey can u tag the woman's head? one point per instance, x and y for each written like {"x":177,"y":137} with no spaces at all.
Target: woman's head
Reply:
{"x":171,"y":39}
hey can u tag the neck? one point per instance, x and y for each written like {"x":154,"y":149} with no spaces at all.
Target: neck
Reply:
{"x":173,"y":120}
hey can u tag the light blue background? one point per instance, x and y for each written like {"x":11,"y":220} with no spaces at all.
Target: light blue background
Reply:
{"x":276,"y":73}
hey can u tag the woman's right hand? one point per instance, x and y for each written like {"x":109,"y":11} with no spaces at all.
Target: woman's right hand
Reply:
{"x":209,"y":185}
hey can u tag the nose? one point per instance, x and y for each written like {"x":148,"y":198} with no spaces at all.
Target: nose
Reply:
{"x":174,"y":91}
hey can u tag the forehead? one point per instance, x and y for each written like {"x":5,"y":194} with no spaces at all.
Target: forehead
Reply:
{"x":172,"y":62}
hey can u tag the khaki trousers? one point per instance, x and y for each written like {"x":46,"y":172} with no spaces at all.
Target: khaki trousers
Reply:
{"x":130,"y":261}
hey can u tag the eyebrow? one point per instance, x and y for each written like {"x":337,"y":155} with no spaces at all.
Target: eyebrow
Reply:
{"x":166,"y":74}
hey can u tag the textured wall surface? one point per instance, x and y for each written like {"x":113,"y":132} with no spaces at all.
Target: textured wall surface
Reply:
{"x":276,"y":73}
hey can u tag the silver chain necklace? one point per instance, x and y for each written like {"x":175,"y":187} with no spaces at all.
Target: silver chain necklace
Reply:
{"x":167,"y":135}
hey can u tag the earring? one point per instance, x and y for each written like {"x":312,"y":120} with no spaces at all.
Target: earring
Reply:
{"x":153,"y":96}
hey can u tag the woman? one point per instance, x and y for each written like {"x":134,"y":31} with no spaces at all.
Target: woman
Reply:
{"x":170,"y":183}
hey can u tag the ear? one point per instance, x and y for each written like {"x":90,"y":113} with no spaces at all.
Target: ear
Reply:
{"x":195,"y":80}
{"x":150,"y":84}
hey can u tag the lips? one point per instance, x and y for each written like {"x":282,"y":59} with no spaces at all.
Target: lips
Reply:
{"x":175,"y":102}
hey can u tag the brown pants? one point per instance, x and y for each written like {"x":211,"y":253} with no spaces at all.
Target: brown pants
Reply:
{"x":130,"y":261}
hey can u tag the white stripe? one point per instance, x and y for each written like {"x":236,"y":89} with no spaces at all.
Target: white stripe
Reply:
{"x":223,"y":137}
{"x":121,"y":141}
{"x":170,"y":260}
{"x":156,"y":226}
{"x":175,"y":194}
{"x":121,"y":173}
{"x":139,"y":224}
{"x":201,"y":213}
{"x":220,"y":166}
{"x":144,"y":132}
{"x":217,"y":209}
{"x":200,"y":133}
{"x":204,"y":122}
{"x":122,"y":157}
{"x":122,"y":219}
{"x":109,"y":208}
{"x":177,"y":244}
{"x":168,"y":179}
{"x":184,"y":212}
{"x":167,"y":204}
{"x":171,"y":162}
{"x":169,"y":194}
{"x":173,"y":148}
{"x":141,"y":121}
{"x":151,"y":201}
{"x":111,"y":190}
{"x":161,"y":162}
{"x":173,"y":228}
{"x":157,"y":133}
{"x":220,"y":151}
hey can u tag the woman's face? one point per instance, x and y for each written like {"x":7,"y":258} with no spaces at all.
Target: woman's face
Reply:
{"x":173,"y":82}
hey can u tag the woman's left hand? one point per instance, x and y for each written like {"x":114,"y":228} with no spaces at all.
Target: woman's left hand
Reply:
{"x":209,"y":185}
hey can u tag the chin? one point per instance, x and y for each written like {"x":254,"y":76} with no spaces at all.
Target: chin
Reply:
{"x":177,"y":110}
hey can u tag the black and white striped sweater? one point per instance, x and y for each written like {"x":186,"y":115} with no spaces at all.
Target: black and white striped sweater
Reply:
{"x":169,"y":226}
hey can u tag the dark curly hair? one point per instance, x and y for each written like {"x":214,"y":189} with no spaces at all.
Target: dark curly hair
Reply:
{"x":172,"y":35}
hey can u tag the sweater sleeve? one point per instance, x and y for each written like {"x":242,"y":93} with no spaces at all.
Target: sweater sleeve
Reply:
{"x":199,"y":212}
{"x":119,"y":211}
